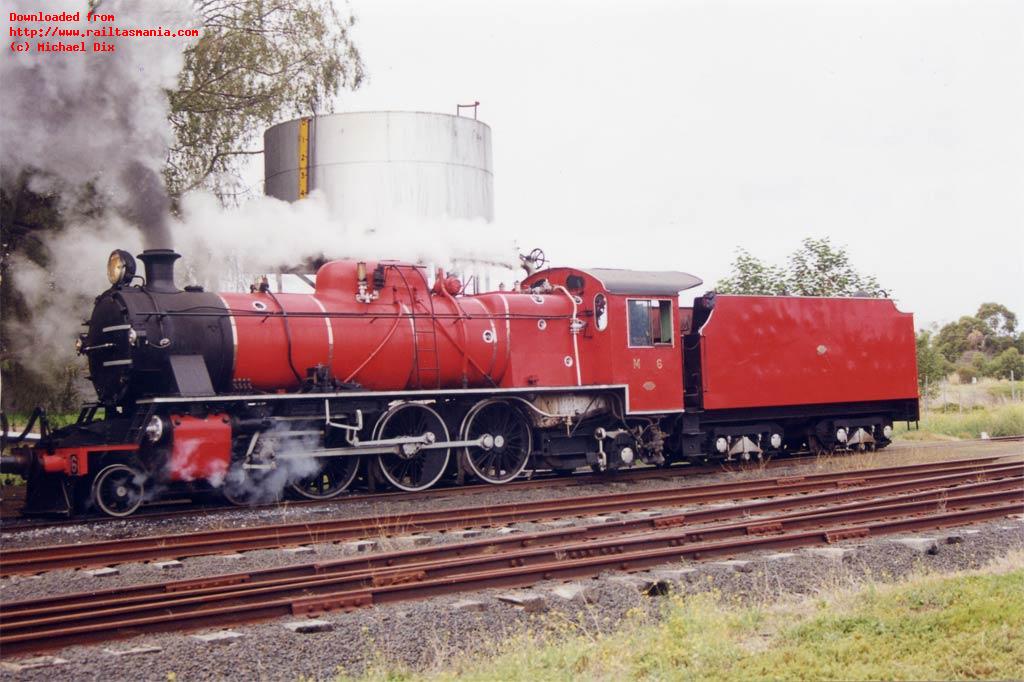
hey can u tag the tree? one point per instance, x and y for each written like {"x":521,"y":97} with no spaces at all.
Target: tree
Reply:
{"x":753,"y":277}
{"x":256,"y":61}
{"x":1010,"y":360}
{"x":998,"y":318}
{"x":990,"y":331}
{"x":817,"y":268}
{"x":931,"y":365}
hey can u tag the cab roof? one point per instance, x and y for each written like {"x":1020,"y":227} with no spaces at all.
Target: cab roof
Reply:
{"x":644,"y":282}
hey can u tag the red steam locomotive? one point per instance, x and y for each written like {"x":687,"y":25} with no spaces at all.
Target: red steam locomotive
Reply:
{"x":382,"y":376}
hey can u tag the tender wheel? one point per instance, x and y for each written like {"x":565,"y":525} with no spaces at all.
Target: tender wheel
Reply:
{"x":118,"y":490}
{"x":334,"y":477}
{"x":251,"y":487}
{"x":508,"y":441}
{"x":413,"y":468}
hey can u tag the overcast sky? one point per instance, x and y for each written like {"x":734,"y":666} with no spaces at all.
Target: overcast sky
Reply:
{"x":662,"y":135}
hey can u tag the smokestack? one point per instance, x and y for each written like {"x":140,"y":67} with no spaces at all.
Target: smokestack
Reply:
{"x":160,"y":269}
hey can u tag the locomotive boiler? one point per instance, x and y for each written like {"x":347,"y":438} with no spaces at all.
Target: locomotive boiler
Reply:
{"x":392,"y":376}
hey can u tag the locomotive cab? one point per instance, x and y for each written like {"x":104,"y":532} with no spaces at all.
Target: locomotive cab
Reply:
{"x":630,"y":336}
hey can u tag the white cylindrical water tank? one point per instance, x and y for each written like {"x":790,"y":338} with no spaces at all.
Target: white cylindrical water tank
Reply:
{"x":375,"y":167}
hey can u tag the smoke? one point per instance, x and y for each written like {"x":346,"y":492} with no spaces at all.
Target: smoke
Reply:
{"x":94,"y":120}
{"x":147,"y":205}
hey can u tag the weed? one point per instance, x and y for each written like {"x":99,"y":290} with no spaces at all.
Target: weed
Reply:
{"x":965,"y":625}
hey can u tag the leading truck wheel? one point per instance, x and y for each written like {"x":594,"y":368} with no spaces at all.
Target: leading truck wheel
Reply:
{"x":507,"y":441}
{"x":334,"y":477}
{"x":413,"y":467}
{"x":118,"y":490}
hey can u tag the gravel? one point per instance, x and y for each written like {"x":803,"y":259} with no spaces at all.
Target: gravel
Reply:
{"x":425,"y":634}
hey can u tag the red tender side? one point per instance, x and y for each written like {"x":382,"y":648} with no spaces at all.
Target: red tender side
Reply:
{"x":761,"y":351}
{"x":201,"y":448}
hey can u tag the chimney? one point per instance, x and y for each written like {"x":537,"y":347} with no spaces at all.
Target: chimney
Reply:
{"x":160,"y":269}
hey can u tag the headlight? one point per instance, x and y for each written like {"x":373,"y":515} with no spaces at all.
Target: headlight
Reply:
{"x":776,"y":440}
{"x":120,"y":267}
{"x":154,"y":428}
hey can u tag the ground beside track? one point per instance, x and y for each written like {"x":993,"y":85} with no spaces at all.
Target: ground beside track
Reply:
{"x":899,"y":453}
{"x":927,"y":626}
{"x":426,"y":635}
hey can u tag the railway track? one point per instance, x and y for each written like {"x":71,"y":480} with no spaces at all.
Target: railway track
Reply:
{"x":160,"y":510}
{"x":173,"y":509}
{"x":890,"y":479}
{"x":860,"y":510}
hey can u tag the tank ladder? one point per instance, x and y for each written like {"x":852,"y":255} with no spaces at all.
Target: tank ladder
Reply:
{"x":426,"y":360}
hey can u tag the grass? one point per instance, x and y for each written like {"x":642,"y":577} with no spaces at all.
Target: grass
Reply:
{"x":962,"y":626}
{"x":56,"y":419}
{"x":984,"y":392}
{"x":1005,"y":389}
{"x":1000,"y":420}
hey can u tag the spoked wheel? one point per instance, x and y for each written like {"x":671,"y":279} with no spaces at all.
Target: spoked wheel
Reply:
{"x":507,"y":441}
{"x":118,"y":490}
{"x":250,"y":487}
{"x":413,"y":467}
{"x":334,"y":477}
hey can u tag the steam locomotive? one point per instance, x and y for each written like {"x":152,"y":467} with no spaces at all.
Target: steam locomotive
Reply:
{"x":384,"y":376}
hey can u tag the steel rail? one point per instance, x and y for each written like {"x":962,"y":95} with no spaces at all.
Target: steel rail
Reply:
{"x":21,"y":618}
{"x":544,"y":480}
{"x":184,"y":603}
{"x":526,"y":567}
{"x":376,"y":565}
{"x":447,"y":490}
{"x":677,"y":470}
{"x":152,"y":547}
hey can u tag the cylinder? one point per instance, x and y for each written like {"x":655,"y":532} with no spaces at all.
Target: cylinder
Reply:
{"x":376,"y":167}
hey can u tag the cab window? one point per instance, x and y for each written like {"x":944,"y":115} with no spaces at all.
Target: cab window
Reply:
{"x":650,"y":322}
{"x":601,"y":312}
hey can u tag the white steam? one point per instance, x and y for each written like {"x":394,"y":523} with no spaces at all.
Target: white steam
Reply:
{"x":287,"y":462}
{"x":60,"y":296}
{"x":267,"y":234}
